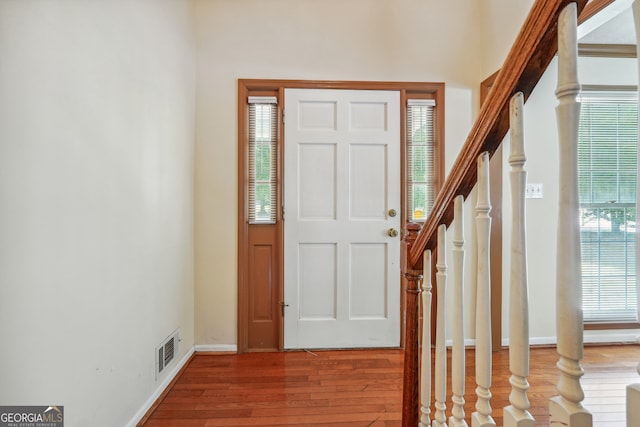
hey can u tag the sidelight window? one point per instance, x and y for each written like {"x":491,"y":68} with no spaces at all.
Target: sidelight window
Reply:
{"x":420,"y":158}
{"x":263,"y":156}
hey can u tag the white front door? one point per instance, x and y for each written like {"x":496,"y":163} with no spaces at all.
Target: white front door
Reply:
{"x":342,"y":181}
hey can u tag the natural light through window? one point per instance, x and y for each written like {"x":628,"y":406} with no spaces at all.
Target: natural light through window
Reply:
{"x":420,"y":159}
{"x":262,"y":159}
{"x":607,"y":165}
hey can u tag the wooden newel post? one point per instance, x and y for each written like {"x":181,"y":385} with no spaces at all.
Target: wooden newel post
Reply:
{"x":411,"y":379}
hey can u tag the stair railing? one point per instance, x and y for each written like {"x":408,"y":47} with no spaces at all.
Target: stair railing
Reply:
{"x":550,"y":27}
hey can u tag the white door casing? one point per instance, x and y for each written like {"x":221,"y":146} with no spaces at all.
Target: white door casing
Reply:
{"x":342,"y":178}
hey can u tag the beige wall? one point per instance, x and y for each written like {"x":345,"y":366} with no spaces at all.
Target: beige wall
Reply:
{"x":404,"y":40}
{"x":104,"y":210}
{"x":96,"y":201}
{"x":502,"y":20}
{"x":457,"y":42}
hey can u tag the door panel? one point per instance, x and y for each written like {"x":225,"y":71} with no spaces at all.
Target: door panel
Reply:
{"x":263,"y":311}
{"x":342,"y":175}
{"x":317,"y":281}
{"x":368,"y":284}
{"x":368,"y":180}
{"x":317,"y":191}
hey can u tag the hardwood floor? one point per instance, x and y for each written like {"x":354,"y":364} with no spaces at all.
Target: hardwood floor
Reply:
{"x":364,"y":388}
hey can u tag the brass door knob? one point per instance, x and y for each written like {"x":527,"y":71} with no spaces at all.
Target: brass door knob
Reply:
{"x":392,"y":213}
{"x":392,"y":232}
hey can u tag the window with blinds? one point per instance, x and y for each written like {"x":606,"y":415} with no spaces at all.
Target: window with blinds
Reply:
{"x":607,"y":180}
{"x":263,"y":157}
{"x":420,"y":159}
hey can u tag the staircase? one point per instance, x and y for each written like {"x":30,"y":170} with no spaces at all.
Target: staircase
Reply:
{"x":550,"y":28}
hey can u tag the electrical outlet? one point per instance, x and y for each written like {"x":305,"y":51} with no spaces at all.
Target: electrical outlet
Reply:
{"x":533,"y":191}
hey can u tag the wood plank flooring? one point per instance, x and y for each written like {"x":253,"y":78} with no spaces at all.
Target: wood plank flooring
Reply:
{"x":364,"y":388}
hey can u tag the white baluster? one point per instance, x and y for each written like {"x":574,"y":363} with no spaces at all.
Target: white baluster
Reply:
{"x":425,"y":369}
{"x":633,"y":404}
{"x":457,"y":351}
{"x":633,"y":390}
{"x":517,"y":414}
{"x":482,"y":416}
{"x":566,"y":409}
{"x":440,"y":419}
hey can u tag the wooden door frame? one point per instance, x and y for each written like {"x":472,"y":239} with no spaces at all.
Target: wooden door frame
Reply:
{"x":266,"y":86}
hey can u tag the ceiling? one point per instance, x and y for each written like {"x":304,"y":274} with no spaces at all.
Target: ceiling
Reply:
{"x":613,"y":25}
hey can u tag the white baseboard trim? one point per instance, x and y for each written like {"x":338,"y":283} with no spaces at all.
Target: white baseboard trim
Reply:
{"x":537,"y":341}
{"x":217,"y":348}
{"x":593,"y":337}
{"x":468,"y":342}
{"x":588,"y":338}
{"x":160,"y":389}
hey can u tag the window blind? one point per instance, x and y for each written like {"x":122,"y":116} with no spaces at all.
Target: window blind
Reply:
{"x":420,"y":158}
{"x":263,"y":159}
{"x":607,"y":181}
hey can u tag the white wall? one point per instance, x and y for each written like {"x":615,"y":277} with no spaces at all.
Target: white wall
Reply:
{"x":541,"y":146}
{"x":499,"y":23}
{"x":96,"y":196}
{"x":404,"y":40}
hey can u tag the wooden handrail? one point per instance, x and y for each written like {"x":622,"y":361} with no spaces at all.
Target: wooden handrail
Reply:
{"x":530,"y":55}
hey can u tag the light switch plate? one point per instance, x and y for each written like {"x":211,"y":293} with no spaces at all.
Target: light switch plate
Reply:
{"x":533,"y":191}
